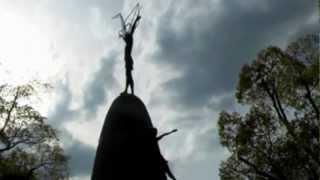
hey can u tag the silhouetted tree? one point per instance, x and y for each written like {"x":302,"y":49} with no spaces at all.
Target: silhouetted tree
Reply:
{"x":278,"y":138}
{"x":29,"y":146}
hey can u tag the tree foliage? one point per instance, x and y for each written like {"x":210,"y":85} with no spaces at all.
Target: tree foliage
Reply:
{"x":29,"y":146}
{"x":278,"y":138}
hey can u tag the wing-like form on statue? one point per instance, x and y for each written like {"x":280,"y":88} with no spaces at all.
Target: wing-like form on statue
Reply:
{"x":123,"y":24}
{"x":133,"y":14}
{"x":128,"y":21}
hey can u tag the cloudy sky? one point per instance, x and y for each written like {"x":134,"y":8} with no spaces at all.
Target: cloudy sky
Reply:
{"x":187,"y":58}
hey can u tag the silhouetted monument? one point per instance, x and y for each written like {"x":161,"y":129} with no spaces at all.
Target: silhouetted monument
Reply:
{"x":126,"y":34}
{"x":128,"y":147}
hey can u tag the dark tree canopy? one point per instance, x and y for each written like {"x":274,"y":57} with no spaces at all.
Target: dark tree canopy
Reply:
{"x":278,"y":138}
{"x":29,"y":147}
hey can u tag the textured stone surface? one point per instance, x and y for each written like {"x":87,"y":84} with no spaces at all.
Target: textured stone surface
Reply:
{"x":127,"y":147}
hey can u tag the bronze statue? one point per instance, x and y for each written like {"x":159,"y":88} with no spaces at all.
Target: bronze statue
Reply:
{"x":139,"y":147}
{"x":127,"y":35}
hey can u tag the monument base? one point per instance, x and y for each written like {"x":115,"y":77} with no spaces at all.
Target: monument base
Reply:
{"x":128,"y":148}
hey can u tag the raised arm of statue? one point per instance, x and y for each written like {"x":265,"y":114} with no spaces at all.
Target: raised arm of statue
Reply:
{"x":129,"y":23}
{"x":135,"y":24}
{"x":123,"y":23}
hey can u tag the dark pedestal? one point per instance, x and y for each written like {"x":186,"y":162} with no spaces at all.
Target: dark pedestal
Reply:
{"x":127,"y":147}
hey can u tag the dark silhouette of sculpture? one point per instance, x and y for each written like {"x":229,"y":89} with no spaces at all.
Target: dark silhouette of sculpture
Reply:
{"x":163,"y":163}
{"x":126,"y":34}
{"x":128,"y":147}
{"x":128,"y":38}
{"x":166,"y":134}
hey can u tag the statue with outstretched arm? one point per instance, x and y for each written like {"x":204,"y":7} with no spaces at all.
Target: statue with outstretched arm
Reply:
{"x":127,"y":36}
{"x":129,"y":25}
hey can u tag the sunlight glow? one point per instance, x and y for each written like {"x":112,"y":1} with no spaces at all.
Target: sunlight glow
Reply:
{"x":25,"y":50}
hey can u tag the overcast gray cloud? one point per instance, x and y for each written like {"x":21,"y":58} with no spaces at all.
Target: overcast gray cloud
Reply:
{"x":61,"y":112}
{"x":206,"y":42}
{"x":210,"y":48}
{"x":81,"y":158}
{"x":102,"y":81}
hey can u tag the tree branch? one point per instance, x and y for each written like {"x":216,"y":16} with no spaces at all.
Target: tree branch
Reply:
{"x":276,"y":103}
{"x":272,"y":163}
{"x":256,"y":169}
{"x":31,"y":171}
{"x":313,"y":104}
{"x":14,"y":102}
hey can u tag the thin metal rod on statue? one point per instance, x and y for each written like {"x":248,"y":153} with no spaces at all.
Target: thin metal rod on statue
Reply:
{"x":135,"y":10}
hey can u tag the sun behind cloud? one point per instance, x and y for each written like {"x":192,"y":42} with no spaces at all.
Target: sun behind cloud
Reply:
{"x":26,"y":49}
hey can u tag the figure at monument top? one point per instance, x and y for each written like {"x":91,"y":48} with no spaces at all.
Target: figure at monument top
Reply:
{"x":126,"y":34}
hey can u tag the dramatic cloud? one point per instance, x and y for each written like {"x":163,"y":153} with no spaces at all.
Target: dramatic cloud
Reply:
{"x":206,"y":44}
{"x":61,"y":112}
{"x":187,"y":58}
{"x":210,"y":46}
{"x":103,"y":80}
{"x":81,"y":158}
